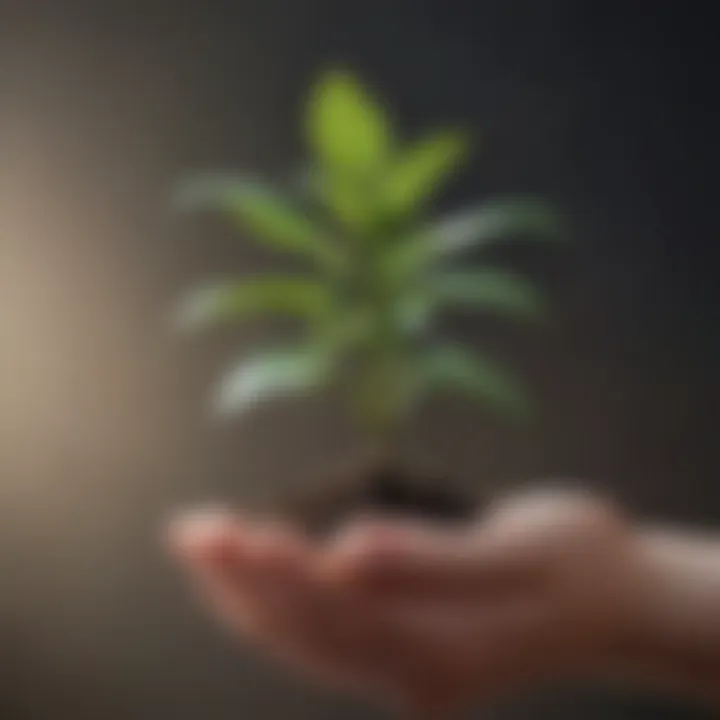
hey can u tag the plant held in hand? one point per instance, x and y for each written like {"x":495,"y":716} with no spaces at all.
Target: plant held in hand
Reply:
{"x":379,"y":271}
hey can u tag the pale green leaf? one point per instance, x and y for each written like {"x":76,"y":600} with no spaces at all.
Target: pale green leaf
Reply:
{"x":235,"y":300}
{"x":348,"y":130}
{"x":273,"y":375}
{"x":494,"y":290}
{"x":495,"y":222}
{"x":272,"y":219}
{"x":452,"y":368}
{"x":420,"y":171}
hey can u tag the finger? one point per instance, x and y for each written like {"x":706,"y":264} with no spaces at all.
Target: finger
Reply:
{"x":254,"y":579}
{"x":201,"y":534}
{"x":259,"y":581}
{"x":555,"y":516}
{"x":204,"y":544}
{"x":410,"y":561}
{"x":335,"y":637}
{"x":226,"y":556}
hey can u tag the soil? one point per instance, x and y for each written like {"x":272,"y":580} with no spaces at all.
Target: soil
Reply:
{"x":378,"y":490}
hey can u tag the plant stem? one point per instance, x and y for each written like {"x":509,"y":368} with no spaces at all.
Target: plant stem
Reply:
{"x":380,"y":411}
{"x":380,"y":401}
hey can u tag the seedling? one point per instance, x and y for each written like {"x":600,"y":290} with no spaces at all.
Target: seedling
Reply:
{"x":380,"y":272}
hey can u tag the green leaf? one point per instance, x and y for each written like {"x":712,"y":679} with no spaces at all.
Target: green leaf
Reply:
{"x":496,"y":221}
{"x":274,"y":220}
{"x":347,"y":202}
{"x":273,"y":375}
{"x":420,"y":171}
{"x":347,"y":129}
{"x":453,"y":368}
{"x":491,"y":289}
{"x":413,"y":313}
{"x":237,"y":300}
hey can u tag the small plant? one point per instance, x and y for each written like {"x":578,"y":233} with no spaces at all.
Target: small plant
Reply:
{"x":379,"y":271}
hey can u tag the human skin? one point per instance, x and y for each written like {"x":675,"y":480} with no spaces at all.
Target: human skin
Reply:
{"x":548,"y":586}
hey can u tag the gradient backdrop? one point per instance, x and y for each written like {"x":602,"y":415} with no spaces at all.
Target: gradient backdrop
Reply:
{"x":608,"y":108}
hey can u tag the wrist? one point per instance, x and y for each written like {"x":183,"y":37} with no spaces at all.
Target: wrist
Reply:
{"x":671,"y":640}
{"x":679,"y":597}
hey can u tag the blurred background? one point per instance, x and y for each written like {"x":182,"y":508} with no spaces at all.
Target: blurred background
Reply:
{"x":607,"y":108}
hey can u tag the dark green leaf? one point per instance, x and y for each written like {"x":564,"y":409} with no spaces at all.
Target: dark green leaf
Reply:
{"x":238,"y":300}
{"x":347,"y":129}
{"x":413,"y":313}
{"x":273,"y":219}
{"x":452,"y":368}
{"x":499,"y":291}
{"x":421,"y":171}
{"x":273,"y":375}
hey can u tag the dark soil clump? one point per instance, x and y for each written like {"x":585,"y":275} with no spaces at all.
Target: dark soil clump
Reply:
{"x":378,"y":491}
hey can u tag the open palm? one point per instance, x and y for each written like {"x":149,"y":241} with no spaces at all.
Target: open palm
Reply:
{"x":432,"y":619}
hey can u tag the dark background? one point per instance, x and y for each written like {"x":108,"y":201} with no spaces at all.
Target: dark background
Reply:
{"x":608,"y":108}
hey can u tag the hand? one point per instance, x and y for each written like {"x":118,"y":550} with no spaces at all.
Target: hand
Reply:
{"x":545,"y":587}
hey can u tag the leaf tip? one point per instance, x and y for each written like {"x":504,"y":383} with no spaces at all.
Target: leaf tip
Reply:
{"x":197,"y":309}
{"x":198,"y":193}
{"x":224,"y":404}
{"x":336,"y":77}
